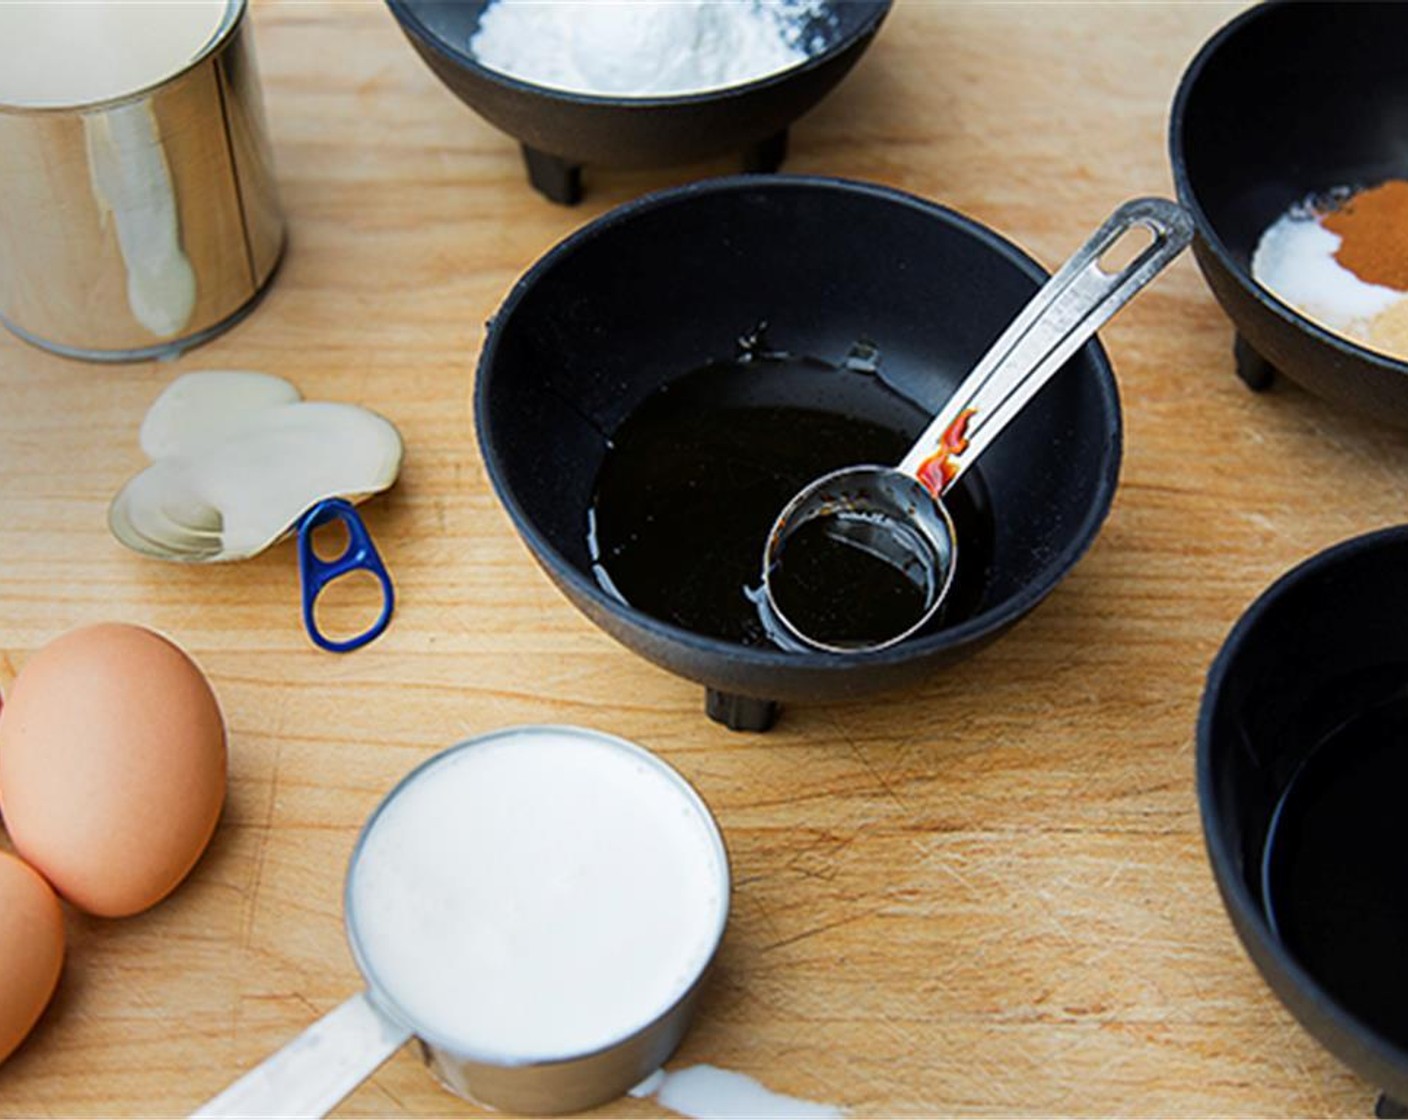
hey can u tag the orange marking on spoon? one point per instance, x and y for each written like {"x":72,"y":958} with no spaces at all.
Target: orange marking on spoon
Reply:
{"x":939,"y":469}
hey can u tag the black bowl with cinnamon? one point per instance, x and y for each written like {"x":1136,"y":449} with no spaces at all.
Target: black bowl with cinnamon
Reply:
{"x":1289,"y":143}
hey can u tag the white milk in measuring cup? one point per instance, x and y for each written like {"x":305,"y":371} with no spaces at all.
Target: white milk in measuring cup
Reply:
{"x":538,"y":908}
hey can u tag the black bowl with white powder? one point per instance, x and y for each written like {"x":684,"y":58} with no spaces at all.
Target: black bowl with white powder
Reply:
{"x":647,"y":84}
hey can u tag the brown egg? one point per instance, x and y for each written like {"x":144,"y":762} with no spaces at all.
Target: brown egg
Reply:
{"x":31,"y":949}
{"x":112,"y":766}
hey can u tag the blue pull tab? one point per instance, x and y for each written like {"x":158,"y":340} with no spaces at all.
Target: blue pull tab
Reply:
{"x":360,"y":556}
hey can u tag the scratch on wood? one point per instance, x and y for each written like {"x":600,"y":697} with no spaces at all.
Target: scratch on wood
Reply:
{"x":251,"y":904}
{"x":401,"y":1108}
{"x":814,"y":930}
{"x":859,"y":754}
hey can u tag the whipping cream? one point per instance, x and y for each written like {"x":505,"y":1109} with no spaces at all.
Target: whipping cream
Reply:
{"x":541,"y":893}
{"x":709,"y":1093}
{"x":647,"y":48}
{"x":62,"y":53}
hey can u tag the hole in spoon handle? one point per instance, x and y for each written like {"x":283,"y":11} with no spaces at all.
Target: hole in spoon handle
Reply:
{"x":1059,"y":320}
{"x":317,"y":1069}
{"x":316,"y":574}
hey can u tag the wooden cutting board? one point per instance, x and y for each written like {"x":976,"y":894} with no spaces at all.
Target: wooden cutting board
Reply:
{"x":984,"y":896}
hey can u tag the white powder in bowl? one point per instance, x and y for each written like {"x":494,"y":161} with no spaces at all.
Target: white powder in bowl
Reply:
{"x":1295,"y":258}
{"x":647,"y":48}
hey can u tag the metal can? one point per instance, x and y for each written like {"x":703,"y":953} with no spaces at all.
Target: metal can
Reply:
{"x":144,"y":222}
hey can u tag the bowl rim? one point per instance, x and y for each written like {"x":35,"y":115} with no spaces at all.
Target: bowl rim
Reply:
{"x":1248,"y":917}
{"x":407,"y":16}
{"x":1208,"y":233}
{"x":987,"y":623}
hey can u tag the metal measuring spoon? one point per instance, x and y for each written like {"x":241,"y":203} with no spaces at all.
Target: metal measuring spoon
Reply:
{"x":886,"y":527}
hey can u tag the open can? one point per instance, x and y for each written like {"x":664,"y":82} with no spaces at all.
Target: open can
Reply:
{"x":141,"y":216}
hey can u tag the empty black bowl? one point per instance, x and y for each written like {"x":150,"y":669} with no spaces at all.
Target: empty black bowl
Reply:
{"x":1288,"y":100}
{"x":664,"y":285}
{"x":561,"y":131}
{"x":1301,"y":761}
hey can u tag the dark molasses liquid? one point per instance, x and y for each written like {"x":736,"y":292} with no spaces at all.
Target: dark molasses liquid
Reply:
{"x":851,"y":581}
{"x":1335,"y":874}
{"x":696,"y":475}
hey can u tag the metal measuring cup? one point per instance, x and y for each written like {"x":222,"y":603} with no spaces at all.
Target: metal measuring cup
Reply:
{"x":895,"y":516}
{"x":313,"y":1072}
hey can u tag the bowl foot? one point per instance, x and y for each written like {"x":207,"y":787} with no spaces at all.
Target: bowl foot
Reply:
{"x":554,"y":177}
{"x":766,"y":155}
{"x":739,"y":713}
{"x":1386,"y":1108}
{"x":561,"y":181}
{"x":1254,"y":370}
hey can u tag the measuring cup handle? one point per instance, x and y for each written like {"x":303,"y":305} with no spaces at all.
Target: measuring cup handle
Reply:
{"x":317,"y":1069}
{"x":1061,"y":318}
{"x":315,"y":573}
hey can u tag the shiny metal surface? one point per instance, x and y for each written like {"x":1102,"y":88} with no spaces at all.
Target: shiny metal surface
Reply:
{"x":1070,"y":307}
{"x":143,"y":225}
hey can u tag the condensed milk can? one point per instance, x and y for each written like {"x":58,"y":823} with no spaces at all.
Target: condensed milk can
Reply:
{"x":139,"y":214}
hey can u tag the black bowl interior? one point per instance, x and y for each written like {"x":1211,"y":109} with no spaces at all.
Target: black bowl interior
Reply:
{"x":1289,"y":100}
{"x":1324,"y":647}
{"x":666,"y":285}
{"x":1293,"y":99}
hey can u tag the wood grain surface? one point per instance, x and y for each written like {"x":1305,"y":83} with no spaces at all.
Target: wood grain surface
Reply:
{"x":985,"y":896}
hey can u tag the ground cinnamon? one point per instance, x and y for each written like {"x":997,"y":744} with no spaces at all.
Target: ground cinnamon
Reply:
{"x":1373,"y":227}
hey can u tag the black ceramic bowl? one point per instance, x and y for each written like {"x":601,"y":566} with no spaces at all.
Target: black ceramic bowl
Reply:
{"x":1287,"y":100}
{"x":1303,"y":725}
{"x":561,"y":131}
{"x":663,"y":285}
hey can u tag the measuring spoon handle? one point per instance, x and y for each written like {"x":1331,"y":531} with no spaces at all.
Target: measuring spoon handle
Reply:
{"x":317,"y":1069}
{"x":1064,"y":314}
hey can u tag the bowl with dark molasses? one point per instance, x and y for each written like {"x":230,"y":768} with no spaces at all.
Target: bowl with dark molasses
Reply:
{"x":1302,"y":759}
{"x":656,"y":387}
{"x":1288,"y":102}
{"x":561,"y":131}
